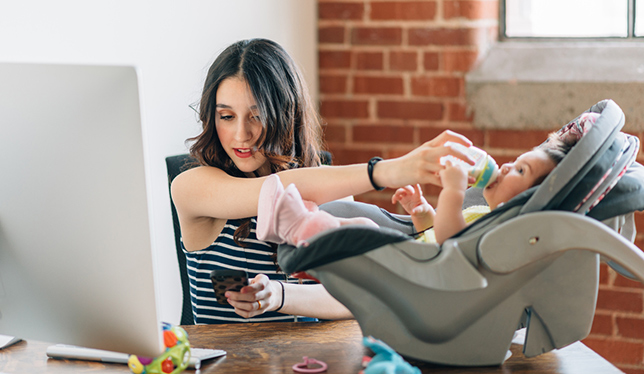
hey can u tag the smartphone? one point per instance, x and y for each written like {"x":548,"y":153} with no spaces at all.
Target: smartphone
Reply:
{"x":227,"y":280}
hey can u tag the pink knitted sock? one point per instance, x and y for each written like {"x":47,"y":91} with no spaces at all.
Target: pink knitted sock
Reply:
{"x":270,"y":193}
{"x":289,"y":214}
{"x":313,"y":224}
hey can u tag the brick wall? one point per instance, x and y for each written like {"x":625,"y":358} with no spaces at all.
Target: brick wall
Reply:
{"x":392,"y":77}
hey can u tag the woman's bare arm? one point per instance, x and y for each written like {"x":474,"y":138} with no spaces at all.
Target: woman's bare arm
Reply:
{"x":205,"y":195}
{"x":210,"y":192}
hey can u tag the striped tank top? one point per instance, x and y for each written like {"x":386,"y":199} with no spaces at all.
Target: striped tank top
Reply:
{"x":257,"y":257}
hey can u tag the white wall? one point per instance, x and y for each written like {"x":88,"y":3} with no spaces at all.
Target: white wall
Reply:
{"x":172,"y":43}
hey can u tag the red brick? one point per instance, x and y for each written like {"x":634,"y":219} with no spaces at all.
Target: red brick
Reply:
{"x":383,"y":134}
{"x":631,"y":370}
{"x":376,"y":36}
{"x":377,"y":85}
{"x":458,"y":112}
{"x":623,"y":301}
{"x":403,"y":61}
{"x":515,"y":139}
{"x":622,"y":281}
{"x":461,"y":61}
{"x":420,"y":110}
{"x":476,"y":136}
{"x":604,"y":276}
{"x":399,"y":151}
{"x":381,"y":199}
{"x":333,"y":133}
{"x":344,"y":109}
{"x":334,"y":59}
{"x":422,"y":86}
{"x":341,"y":11}
{"x":500,"y":160}
{"x":403,"y":10}
{"x":617,"y":351}
{"x":428,"y":133}
{"x":639,"y":221}
{"x":602,"y":324}
{"x":630,"y":327}
{"x":639,"y":241}
{"x":344,"y":156}
{"x":437,"y":86}
{"x":431,"y":61}
{"x":429,"y":36}
{"x":330,"y":84}
{"x":471,"y":9}
{"x":370,"y":60}
{"x":332,"y":34}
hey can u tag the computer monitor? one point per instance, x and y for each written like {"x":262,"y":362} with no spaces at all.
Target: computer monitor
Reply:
{"x":76,"y":264}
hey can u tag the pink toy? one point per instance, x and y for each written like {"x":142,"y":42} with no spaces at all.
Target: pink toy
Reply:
{"x":303,"y":367}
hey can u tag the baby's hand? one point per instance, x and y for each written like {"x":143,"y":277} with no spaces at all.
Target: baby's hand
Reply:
{"x":412,"y":200}
{"x":409,"y":197}
{"x":454,"y":177}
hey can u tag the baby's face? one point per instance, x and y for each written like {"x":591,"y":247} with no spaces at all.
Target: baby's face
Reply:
{"x":518,"y":176}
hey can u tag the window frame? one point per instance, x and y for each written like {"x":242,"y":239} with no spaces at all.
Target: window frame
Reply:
{"x":631,"y":37}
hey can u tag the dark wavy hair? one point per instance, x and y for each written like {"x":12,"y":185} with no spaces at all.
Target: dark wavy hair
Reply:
{"x":291,"y":135}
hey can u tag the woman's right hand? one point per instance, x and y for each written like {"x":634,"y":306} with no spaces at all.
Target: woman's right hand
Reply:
{"x":260,"y":296}
{"x":422,"y":164}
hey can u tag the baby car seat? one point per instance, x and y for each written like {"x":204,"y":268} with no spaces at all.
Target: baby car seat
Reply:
{"x":533,"y":262}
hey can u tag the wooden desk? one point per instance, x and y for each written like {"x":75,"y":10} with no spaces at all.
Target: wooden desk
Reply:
{"x":275,"y":347}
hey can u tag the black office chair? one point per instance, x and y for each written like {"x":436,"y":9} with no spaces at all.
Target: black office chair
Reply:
{"x":176,"y":165}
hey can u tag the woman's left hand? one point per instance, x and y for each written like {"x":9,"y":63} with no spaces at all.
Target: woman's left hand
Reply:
{"x":421,"y":165}
{"x":260,"y":296}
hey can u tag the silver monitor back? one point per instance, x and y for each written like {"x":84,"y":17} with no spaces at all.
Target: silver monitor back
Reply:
{"x":75,"y":251}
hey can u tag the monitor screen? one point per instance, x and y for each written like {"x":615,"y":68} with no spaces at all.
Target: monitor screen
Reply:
{"x":76,"y":263}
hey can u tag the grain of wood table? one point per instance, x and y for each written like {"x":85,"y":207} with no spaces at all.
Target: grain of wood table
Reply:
{"x":276,"y":347}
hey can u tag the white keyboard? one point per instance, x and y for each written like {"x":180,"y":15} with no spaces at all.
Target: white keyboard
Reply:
{"x":64,"y":351}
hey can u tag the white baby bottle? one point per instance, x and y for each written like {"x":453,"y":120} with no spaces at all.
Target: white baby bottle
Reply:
{"x":485,"y":169}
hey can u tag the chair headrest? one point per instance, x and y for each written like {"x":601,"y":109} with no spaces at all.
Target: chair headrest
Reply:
{"x":596,"y":130}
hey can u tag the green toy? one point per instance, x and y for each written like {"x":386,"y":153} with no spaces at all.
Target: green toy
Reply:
{"x":175,"y":358}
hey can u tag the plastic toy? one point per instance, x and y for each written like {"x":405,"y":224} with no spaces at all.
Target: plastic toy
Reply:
{"x":386,"y":360}
{"x":305,"y":366}
{"x":175,"y":358}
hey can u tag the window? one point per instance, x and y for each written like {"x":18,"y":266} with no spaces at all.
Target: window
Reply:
{"x":572,"y":19}
{"x":639,"y":26}
{"x":588,"y":50}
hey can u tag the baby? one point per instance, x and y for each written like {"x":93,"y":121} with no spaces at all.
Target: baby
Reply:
{"x":283,"y":217}
{"x":528,"y":170}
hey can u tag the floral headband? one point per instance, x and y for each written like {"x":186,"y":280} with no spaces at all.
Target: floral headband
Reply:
{"x":578,"y":127}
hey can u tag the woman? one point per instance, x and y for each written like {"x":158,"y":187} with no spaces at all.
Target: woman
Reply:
{"x":258,"y":119}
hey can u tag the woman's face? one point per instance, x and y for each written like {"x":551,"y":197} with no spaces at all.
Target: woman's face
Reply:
{"x":518,"y":176}
{"x":238,"y":125}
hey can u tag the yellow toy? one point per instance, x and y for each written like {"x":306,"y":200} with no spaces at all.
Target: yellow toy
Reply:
{"x":175,"y":358}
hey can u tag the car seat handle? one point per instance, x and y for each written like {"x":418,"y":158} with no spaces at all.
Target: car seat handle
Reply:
{"x":539,"y":235}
